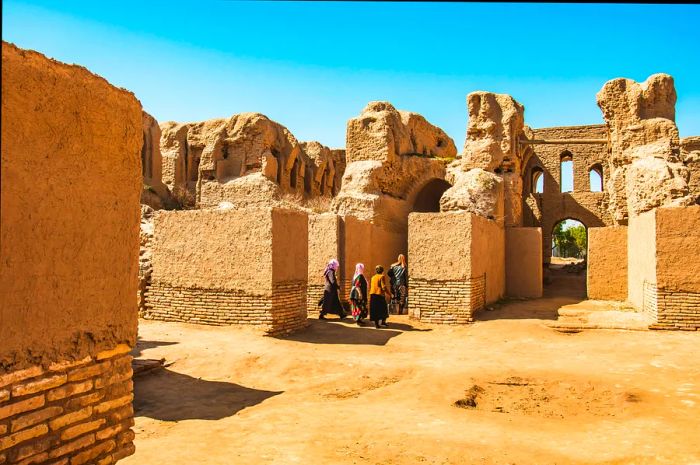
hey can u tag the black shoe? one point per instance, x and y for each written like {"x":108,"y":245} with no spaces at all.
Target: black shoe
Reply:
{"x":342,"y":316}
{"x":322,"y":316}
{"x":376,"y":325}
{"x":384,"y":323}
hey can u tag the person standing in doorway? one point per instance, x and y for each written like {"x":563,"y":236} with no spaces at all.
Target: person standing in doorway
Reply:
{"x":398,"y":275}
{"x":331,"y":299}
{"x":378,"y":311}
{"x":358,"y":294}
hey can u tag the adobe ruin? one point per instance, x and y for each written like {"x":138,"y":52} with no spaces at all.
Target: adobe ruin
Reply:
{"x":239,"y":219}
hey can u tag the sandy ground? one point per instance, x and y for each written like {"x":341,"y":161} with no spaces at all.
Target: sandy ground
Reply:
{"x":339,"y":394}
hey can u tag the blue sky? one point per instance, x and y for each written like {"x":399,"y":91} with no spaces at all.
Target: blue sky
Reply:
{"x":312,"y":66}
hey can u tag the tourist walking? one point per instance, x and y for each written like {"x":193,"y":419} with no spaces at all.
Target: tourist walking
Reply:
{"x":378,"y":289}
{"x":331,"y":299}
{"x":358,"y":294}
{"x":398,"y":277}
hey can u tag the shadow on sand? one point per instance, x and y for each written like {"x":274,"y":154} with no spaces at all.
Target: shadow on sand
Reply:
{"x":170,"y":396}
{"x":563,"y":289}
{"x":142,"y":345}
{"x":336,"y":331}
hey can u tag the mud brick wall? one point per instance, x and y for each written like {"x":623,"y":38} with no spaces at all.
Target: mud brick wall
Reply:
{"x":663,"y":264}
{"x":447,"y":302}
{"x":246,"y":266}
{"x":69,"y":241}
{"x":524,"y":262}
{"x":677,"y":283}
{"x":607,"y":263}
{"x":467,"y":253}
{"x":78,"y":412}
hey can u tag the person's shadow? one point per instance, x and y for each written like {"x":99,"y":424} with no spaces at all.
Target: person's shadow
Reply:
{"x":170,"y":396}
{"x":336,"y":331}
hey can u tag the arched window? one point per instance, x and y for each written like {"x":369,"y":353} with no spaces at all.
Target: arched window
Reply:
{"x":566,"y":172}
{"x":537,"y":180}
{"x":595,"y":175}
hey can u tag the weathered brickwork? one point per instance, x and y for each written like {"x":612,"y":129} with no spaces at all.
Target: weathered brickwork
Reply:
{"x":547,"y":208}
{"x":447,"y":302}
{"x":283,"y":310}
{"x":672,"y":309}
{"x":288,"y":307}
{"x":73,"y":412}
{"x":314,"y":292}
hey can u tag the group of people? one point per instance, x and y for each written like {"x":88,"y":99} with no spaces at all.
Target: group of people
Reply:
{"x":396,"y":290}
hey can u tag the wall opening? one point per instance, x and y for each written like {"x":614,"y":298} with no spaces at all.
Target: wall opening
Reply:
{"x":569,"y":240}
{"x":595,"y":176}
{"x":566,"y":172}
{"x":308,"y":173}
{"x":294,"y":174}
{"x":193,"y":163}
{"x":428,"y":199}
{"x":566,"y":273}
{"x":276,"y":154}
{"x":537,"y":180}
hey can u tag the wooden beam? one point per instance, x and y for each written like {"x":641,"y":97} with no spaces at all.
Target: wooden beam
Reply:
{"x":563,"y":141}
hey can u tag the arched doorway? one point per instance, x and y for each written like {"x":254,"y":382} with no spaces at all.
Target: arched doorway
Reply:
{"x":428,"y":198}
{"x":566,"y":273}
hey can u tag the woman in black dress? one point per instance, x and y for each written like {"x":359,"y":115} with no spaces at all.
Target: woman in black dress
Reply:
{"x":331,"y":300}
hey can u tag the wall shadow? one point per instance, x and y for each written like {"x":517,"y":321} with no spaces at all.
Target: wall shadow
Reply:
{"x":335,"y":331}
{"x":170,"y":396}
{"x":142,"y":345}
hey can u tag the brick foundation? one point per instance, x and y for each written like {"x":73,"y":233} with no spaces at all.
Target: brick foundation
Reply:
{"x":672,"y":309}
{"x":283,"y":311}
{"x":78,"y":412}
{"x":447,"y":302}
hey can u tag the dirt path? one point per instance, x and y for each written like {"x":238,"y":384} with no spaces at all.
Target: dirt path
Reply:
{"x":338,"y":394}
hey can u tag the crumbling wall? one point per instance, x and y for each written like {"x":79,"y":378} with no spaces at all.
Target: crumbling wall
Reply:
{"x":391,"y":155}
{"x":645,"y":167}
{"x":247,"y":160}
{"x":690,"y":155}
{"x":220,"y":267}
{"x":155,"y":193}
{"x":68,"y":274}
{"x":457,"y":265}
{"x":606,"y":276}
{"x":496,"y":123}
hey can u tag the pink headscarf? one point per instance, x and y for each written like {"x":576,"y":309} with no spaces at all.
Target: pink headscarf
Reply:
{"x":359,"y":269}
{"x":332,"y":265}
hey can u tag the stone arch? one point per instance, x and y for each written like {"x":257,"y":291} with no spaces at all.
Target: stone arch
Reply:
{"x":427,"y":197}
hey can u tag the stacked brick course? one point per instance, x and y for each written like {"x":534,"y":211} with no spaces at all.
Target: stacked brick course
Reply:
{"x":672,"y":309}
{"x":447,"y":302}
{"x":282,"y":311}
{"x":72,"y":412}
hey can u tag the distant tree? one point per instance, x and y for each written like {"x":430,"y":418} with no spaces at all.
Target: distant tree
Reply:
{"x":571,"y":242}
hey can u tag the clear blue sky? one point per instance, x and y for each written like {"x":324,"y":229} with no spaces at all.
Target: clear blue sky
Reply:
{"x":312,"y":66}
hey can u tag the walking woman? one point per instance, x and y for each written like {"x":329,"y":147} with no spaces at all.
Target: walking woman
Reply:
{"x":358,"y":294}
{"x":398,"y":273}
{"x":331,"y":300}
{"x":378,"y":311}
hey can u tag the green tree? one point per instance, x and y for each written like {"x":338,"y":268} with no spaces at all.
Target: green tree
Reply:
{"x":570,"y":242}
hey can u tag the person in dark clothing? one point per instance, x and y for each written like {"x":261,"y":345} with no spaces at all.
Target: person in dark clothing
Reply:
{"x":358,"y":294}
{"x":331,"y":299}
{"x":378,"y":311}
{"x":398,"y":275}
